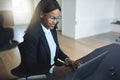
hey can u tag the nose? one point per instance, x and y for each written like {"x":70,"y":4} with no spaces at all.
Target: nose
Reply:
{"x":55,"y":21}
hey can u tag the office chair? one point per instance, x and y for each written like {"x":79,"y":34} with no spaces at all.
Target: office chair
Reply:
{"x":21,"y":71}
{"x":9,"y":59}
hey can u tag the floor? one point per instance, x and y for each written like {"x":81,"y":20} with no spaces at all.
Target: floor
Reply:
{"x":81,"y":47}
{"x":76,"y":49}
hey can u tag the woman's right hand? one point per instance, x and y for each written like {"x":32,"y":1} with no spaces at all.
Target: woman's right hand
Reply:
{"x":71,"y":63}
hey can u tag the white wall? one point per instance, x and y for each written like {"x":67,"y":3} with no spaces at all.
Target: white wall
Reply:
{"x":117,"y":9}
{"x":60,"y":22}
{"x":116,"y":27}
{"x":93,"y":17}
{"x":5,"y":4}
{"x":68,"y":18}
{"x":22,"y":11}
{"x":36,"y":2}
{"x":21,"y":14}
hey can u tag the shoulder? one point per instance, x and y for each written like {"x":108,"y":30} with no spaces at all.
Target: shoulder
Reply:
{"x":34,"y":32}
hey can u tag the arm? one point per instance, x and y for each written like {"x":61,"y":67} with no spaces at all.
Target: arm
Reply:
{"x":67,"y":61}
{"x":30,"y":43}
{"x":60,"y":54}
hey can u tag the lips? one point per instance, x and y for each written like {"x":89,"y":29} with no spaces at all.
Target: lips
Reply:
{"x":52,"y":26}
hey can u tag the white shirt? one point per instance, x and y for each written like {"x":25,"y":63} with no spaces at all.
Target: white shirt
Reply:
{"x":52,"y":45}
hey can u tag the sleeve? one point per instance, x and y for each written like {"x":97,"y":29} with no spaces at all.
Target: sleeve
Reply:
{"x":30,"y":43}
{"x":61,"y":54}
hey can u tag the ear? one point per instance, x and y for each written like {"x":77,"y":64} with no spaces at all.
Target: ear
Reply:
{"x":41,"y":14}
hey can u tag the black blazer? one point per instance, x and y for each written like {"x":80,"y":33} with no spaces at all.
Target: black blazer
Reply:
{"x":36,"y":51}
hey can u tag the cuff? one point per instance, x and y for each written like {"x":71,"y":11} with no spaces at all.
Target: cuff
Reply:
{"x":51,"y":69}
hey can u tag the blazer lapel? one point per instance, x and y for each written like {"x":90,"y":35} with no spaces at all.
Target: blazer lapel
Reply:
{"x":44,"y":41}
{"x":54,"y":34}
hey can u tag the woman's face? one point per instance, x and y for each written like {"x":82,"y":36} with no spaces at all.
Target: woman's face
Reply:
{"x":51,"y":19}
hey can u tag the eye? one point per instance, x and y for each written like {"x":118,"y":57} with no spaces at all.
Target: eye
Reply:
{"x":51,"y":17}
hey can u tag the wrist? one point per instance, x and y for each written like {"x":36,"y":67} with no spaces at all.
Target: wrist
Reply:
{"x":66,"y":59}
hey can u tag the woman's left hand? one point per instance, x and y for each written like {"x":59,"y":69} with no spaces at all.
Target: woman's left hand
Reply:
{"x":73,"y":64}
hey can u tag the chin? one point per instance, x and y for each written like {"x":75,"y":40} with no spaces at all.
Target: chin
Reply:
{"x":51,"y":27}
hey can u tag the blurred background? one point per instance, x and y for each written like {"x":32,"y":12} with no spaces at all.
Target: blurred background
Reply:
{"x":80,"y":18}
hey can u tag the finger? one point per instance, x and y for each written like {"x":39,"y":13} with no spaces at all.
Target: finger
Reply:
{"x":77,"y":63}
{"x":67,"y":63}
{"x":73,"y":66}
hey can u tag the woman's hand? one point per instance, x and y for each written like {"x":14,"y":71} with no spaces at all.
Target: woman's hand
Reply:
{"x":73,"y":64}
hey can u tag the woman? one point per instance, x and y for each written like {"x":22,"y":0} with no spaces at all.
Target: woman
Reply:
{"x":41,"y":48}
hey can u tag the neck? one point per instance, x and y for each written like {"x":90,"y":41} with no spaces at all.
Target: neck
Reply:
{"x":44,"y":25}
